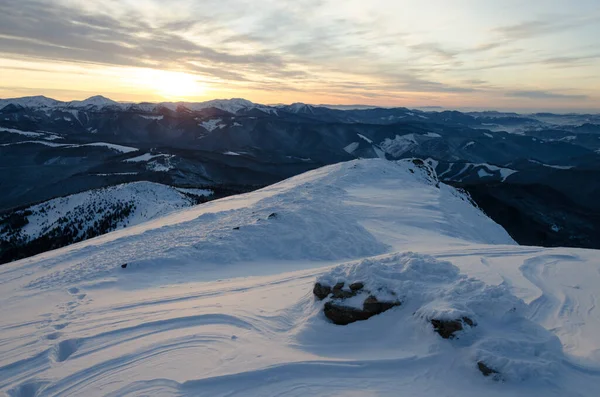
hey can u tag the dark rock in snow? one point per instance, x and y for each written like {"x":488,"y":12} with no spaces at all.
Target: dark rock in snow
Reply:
{"x":485,"y":370}
{"x":124,"y":265}
{"x":372,"y":305}
{"x":338,"y":313}
{"x":272,"y":216}
{"x":447,"y":328}
{"x":236,"y":228}
{"x":339,"y":293}
{"x":344,"y":315}
{"x":321,"y":291}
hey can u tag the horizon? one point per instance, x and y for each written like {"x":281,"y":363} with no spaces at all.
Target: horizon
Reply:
{"x":470,"y":54}
{"x":425,"y":108}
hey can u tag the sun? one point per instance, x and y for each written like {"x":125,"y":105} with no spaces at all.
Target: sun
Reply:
{"x":173,"y":86}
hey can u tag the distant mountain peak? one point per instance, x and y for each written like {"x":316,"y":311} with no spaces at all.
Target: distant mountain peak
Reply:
{"x":98,"y":101}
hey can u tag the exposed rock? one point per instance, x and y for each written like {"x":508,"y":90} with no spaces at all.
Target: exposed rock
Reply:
{"x":485,"y":370}
{"x":321,"y":291}
{"x":272,"y":215}
{"x":236,"y":228}
{"x":372,"y":305}
{"x":343,"y":315}
{"x":447,"y":328}
{"x":339,"y":293}
{"x":124,"y":265}
{"x":340,"y":314}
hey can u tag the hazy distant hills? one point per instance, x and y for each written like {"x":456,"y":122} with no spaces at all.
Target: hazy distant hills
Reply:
{"x":50,"y":148}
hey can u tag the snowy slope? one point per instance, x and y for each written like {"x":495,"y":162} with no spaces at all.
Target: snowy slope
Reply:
{"x":216,"y":299}
{"x":93,"y":212}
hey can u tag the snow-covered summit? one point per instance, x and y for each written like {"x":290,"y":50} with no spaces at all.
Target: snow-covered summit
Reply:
{"x":216,"y":299}
{"x":233,"y":105}
{"x":299,"y":107}
{"x":97,"y":101}
{"x":30,"y":102}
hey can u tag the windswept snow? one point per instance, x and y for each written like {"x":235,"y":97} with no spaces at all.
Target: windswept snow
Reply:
{"x":230,"y":153}
{"x":216,"y":299}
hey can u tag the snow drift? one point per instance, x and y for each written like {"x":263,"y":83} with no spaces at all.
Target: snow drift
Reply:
{"x":217,"y":299}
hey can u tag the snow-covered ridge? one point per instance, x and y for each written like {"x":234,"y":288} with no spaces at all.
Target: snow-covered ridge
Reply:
{"x":99,"y":102}
{"x":216,"y":299}
{"x":129,"y":204}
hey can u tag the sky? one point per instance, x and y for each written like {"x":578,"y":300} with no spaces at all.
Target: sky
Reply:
{"x":503,"y":54}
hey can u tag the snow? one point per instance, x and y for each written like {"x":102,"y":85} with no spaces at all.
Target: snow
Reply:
{"x":483,"y":173}
{"x":233,"y":105}
{"x":197,"y":192}
{"x":30,"y":102}
{"x":97,"y":101}
{"x":351,"y":147}
{"x":49,"y":136}
{"x":112,"y":146}
{"x":558,"y":167}
{"x":151,"y":200}
{"x":159,"y":162}
{"x":51,"y":144}
{"x":24,"y":133}
{"x":143,"y":157}
{"x":486,"y":170}
{"x":399,"y":145}
{"x":117,"y":174}
{"x":230,"y":153}
{"x":432,"y":135}
{"x":364,"y":138}
{"x":469,"y":144}
{"x":212,"y":125}
{"x":380,"y":153}
{"x":149,"y":117}
{"x":206,"y":309}
{"x":488,"y":135}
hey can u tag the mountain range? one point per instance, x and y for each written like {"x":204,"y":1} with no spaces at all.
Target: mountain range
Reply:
{"x":535,"y":174}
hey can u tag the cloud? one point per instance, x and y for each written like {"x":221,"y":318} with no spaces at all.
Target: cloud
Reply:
{"x":71,"y":34}
{"x":538,"y":27}
{"x":435,"y":49}
{"x":309,"y":46}
{"x":540,"y":94}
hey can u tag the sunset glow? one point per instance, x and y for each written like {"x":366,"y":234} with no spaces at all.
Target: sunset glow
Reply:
{"x":466,"y":53}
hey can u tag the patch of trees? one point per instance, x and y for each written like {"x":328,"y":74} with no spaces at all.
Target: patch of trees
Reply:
{"x":78,"y":225}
